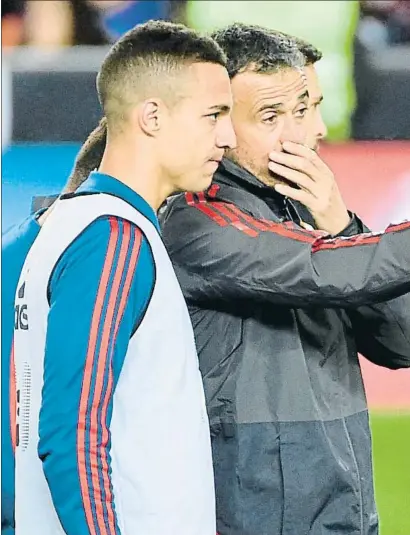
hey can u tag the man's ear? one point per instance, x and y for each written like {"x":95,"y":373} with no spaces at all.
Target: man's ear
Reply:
{"x":149,"y":116}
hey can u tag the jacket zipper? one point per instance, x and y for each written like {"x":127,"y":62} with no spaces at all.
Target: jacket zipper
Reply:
{"x":357,"y":472}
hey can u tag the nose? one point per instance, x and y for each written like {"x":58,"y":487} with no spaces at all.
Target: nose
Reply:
{"x":321,"y":128}
{"x":226,"y":137}
{"x":293,"y":130}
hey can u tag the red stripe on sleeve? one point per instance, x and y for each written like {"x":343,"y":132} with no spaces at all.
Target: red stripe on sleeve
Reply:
{"x":101,"y":357}
{"x":259,"y":224}
{"x":189,"y":197}
{"x":340,"y":243}
{"x":213,"y":190}
{"x":205,"y":209}
{"x":136,"y":233}
{"x":360,"y":239}
{"x":212,"y":214}
{"x":399,"y":227}
{"x":271,"y":226}
{"x":286,"y":230}
{"x":234,"y":219}
{"x":280,"y":229}
{"x":85,"y":391}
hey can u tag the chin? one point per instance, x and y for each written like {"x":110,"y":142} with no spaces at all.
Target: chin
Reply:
{"x":205,"y":183}
{"x":198,"y":185}
{"x":271,"y":180}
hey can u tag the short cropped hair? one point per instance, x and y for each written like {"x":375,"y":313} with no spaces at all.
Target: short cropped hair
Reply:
{"x":309,"y":51}
{"x":145,"y":59}
{"x":89,"y":157}
{"x":257,"y":49}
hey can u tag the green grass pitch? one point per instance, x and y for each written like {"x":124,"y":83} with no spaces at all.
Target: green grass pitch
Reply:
{"x":391,"y":455}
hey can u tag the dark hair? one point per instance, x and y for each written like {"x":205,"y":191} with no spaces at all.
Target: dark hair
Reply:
{"x":309,"y":51}
{"x":257,"y":49}
{"x":150,"y":51}
{"x":89,"y":157}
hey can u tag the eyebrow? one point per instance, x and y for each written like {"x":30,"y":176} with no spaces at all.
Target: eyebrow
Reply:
{"x":318,"y":100}
{"x":270,"y":107}
{"x":303,"y":96}
{"x":224,"y":108}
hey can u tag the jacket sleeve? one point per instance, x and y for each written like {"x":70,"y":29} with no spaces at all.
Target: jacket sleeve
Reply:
{"x":382,"y":331}
{"x":223,"y":254}
{"x":98,"y":292}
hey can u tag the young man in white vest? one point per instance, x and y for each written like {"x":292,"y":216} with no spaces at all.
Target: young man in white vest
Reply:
{"x":112,"y":431}
{"x":16,"y":243}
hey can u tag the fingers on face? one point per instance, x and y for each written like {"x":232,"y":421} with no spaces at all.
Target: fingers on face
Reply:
{"x":301,"y":158}
{"x":296,"y":177}
{"x":294,"y":162}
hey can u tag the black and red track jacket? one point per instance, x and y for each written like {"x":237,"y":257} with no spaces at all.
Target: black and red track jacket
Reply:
{"x":280,"y":314}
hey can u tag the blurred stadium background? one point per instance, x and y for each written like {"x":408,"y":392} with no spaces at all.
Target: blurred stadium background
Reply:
{"x":51,"y":51}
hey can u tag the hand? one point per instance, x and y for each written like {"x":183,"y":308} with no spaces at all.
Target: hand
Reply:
{"x":317,"y":188}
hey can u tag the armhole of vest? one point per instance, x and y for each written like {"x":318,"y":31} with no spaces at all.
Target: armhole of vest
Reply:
{"x":142,"y":316}
{"x":64,"y":251}
{"x":66,"y":196}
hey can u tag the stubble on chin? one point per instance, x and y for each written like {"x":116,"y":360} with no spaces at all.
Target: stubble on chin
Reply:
{"x":261,"y":173}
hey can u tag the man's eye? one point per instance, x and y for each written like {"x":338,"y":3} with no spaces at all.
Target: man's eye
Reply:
{"x":270,"y":118}
{"x":301,"y":112}
{"x":214,"y":116}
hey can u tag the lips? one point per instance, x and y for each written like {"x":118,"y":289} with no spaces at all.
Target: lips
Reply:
{"x":215,"y":163}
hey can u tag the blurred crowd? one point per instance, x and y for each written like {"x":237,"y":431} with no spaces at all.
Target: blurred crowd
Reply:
{"x":364,"y":67}
{"x":45,"y":23}
{"x":384,"y":22}
{"x":95,"y":22}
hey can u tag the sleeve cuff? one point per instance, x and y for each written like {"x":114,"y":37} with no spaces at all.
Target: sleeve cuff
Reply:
{"x":356,"y":226}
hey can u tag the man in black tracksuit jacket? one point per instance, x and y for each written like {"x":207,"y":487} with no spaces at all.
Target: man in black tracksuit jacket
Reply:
{"x":280,"y":314}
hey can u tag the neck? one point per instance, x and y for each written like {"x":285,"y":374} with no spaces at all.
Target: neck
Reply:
{"x":135,"y":165}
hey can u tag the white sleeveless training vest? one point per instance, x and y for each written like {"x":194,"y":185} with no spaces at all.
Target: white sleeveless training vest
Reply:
{"x":162,"y":472}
